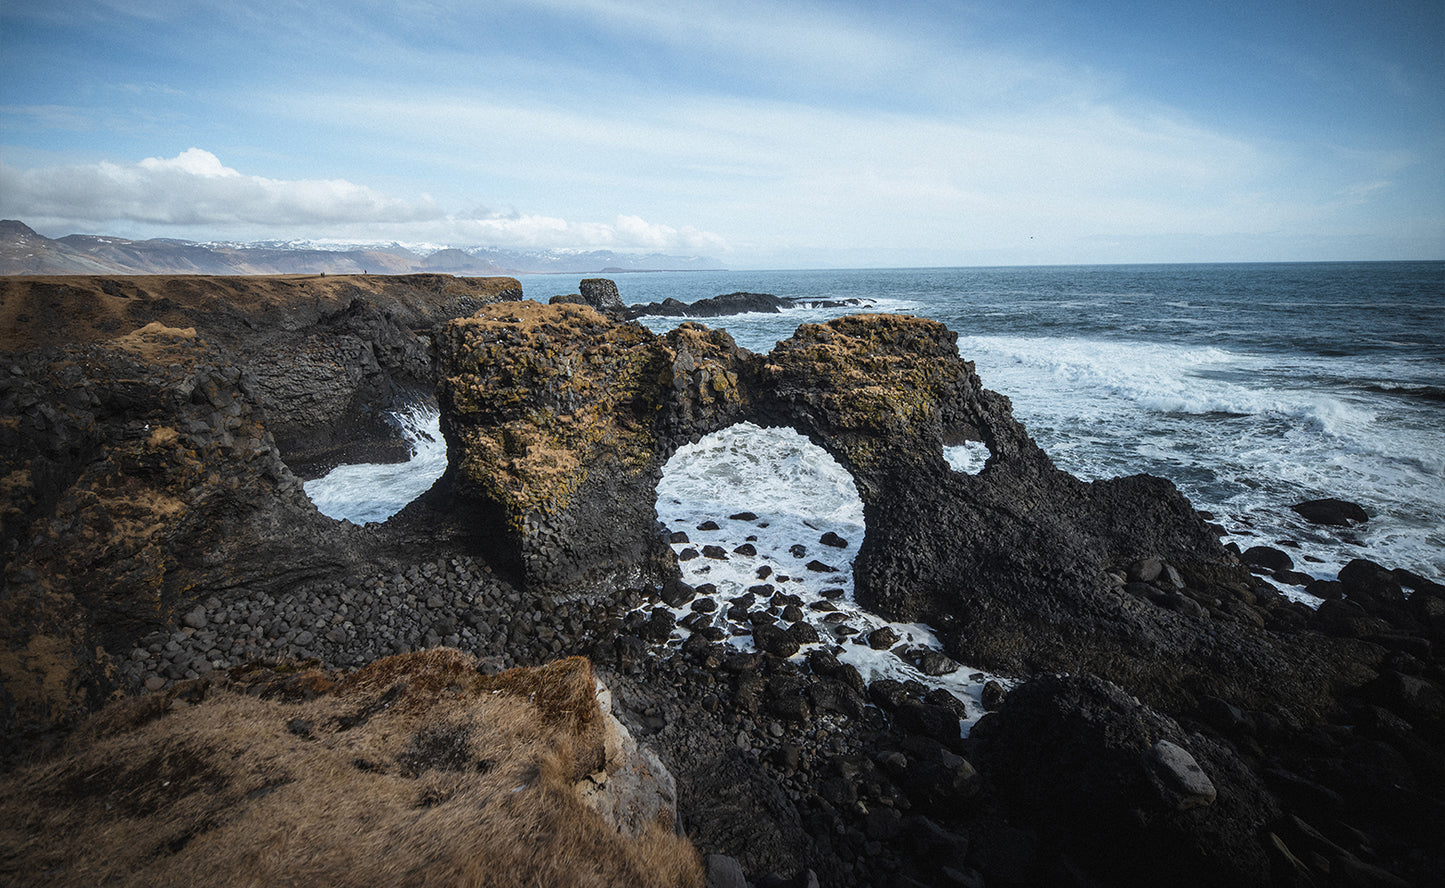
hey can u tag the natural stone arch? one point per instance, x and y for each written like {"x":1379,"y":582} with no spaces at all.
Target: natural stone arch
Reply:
{"x":558,"y":420}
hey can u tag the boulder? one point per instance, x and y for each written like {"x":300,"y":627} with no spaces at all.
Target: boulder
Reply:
{"x":1333,"y":512}
{"x":1266,"y":558}
{"x":633,"y":790}
{"x":601,"y":294}
{"x":1135,"y":798}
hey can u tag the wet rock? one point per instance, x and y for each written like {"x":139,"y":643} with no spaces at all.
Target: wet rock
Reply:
{"x":832,"y":539}
{"x":992,"y":695}
{"x":676,"y":593}
{"x":1266,"y":558}
{"x":1333,"y":512}
{"x":803,"y":633}
{"x":821,"y":567}
{"x":936,"y":663}
{"x":769,"y":638}
{"x":882,"y":638}
{"x":659,"y":625}
{"x":888,"y":693}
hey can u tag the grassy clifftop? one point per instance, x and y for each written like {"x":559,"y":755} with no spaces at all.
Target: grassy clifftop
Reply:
{"x":56,"y":309}
{"x":415,"y":770}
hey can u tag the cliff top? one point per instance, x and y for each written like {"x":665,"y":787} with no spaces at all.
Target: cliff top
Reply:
{"x":59,"y":309}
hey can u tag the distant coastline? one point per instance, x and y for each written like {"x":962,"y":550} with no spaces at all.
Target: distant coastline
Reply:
{"x":23,"y":251}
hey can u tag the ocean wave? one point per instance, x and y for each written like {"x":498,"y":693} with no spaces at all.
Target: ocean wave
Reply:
{"x":369,"y":492}
{"x":1200,"y":381}
{"x":1432,"y":393}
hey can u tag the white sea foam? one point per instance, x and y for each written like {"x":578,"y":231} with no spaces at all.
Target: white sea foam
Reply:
{"x":797,"y":493}
{"x":968,"y":457}
{"x":1243,"y":435}
{"x":369,"y":492}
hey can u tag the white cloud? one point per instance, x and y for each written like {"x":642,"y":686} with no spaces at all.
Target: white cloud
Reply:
{"x":194,"y":194}
{"x":194,"y":188}
{"x":623,"y":233}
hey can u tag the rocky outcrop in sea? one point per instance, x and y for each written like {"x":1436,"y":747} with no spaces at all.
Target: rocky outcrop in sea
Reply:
{"x":1169,"y":717}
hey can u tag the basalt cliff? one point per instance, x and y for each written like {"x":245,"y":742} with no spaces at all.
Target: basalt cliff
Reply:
{"x":1175,"y":719}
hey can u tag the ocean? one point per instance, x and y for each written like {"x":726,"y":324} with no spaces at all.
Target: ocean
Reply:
{"x":1251,"y":387}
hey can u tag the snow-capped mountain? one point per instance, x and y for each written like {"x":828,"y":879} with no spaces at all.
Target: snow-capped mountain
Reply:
{"x":23,"y":251}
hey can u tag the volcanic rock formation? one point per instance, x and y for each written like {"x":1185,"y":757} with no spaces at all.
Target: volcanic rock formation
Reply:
{"x":559,"y":420}
{"x":327,"y":356}
{"x":155,"y":532}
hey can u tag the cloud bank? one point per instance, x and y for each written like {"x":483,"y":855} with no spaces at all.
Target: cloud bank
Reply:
{"x":195,"y":194}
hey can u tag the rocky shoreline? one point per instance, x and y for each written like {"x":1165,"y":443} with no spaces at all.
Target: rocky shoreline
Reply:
{"x":1175,"y":719}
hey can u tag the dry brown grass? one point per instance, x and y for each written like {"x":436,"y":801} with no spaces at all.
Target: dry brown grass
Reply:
{"x":415,"y":771}
{"x":44,"y":310}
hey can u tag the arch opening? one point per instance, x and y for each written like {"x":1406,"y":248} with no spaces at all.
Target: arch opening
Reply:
{"x":365,"y":493}
{"x":765,"y":525}
{"x":771,"y":492}
{"x":968,"y":458}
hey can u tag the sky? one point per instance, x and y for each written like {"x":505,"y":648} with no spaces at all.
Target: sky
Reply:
{"x":761,"y":134}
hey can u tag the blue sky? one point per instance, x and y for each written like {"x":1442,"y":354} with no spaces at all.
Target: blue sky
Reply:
{"x":765,"y":135}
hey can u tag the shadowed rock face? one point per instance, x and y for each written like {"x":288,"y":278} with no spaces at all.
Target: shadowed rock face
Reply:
{"x":328,"y":355}
{"x":559,"y":420}
{"x":137,"y":475}
{"x":147,"y":431}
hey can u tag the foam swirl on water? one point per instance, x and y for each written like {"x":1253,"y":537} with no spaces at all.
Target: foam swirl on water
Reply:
{"x":368,"y":492}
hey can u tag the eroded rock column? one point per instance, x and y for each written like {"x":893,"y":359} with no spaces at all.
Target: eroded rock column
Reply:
{"x":558,"y":421}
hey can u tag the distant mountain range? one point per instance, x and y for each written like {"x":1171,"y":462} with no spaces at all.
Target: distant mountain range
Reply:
{"x":23,"y":251}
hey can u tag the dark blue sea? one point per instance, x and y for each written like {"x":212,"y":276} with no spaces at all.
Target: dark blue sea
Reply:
{"x":1250,"y":386}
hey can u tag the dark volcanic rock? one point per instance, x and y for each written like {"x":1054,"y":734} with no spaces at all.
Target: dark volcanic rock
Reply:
{"x":1267,"y":558}
{"x":1134,"y":797}
{"x":559,"y":421}
{"x":139,"y":476}
{"x":327,"y":356}
{"x":601,"y":294}
{"x":1339,"y":513}
{"x":714,"y":307}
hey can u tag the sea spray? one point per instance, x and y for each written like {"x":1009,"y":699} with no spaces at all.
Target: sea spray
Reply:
{"x":770,"y":501}
{"x":368,"y":492}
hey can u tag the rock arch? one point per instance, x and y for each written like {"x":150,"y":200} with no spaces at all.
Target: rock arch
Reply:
{"x":559,"y":418}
